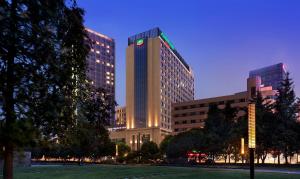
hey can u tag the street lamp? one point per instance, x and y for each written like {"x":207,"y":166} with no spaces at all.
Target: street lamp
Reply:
{"x":242,"y":149}
{"x":251,"y":136}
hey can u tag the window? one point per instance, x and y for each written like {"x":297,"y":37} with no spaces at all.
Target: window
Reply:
{"x":242,"y":100}
{"x":184,"y":122}
{"x":193,"y":121}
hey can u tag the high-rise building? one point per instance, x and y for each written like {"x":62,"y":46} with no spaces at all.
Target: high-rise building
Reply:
{"x":156,"y":77}
{"x":101,"y":64}
{"x":271,"y":75}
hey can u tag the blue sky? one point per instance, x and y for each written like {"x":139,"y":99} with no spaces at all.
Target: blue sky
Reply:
{"x":222,"y":40}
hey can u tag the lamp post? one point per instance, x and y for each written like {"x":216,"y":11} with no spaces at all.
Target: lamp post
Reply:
{"x":242,"y":149}
{"x":251,"y":136}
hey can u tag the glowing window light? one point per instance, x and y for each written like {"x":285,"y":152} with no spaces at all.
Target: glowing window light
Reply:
{"x":251,"y":126}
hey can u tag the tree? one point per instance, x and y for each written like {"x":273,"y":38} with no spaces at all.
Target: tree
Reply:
{"x":178,"y":146}
{"x":264,"y":126}
{"x":165,"y":143}
{"x":230,"y":137}
{"x":42,"y":47}
{"x":123,"y":150}
{"x":89,"y":138}
{"x":216,"y":131}
{"x":285,"y":107}
{"x":149,"y":151}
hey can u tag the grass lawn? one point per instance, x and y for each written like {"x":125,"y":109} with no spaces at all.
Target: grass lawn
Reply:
{"x":134,"y":172}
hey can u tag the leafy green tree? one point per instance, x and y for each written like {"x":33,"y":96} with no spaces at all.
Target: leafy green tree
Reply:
{"x":179,"y":145}
{"x":285,"y":107}
{"x":42,"y":47}
{"x":89,"y":137}
{"x":149,"y":151}
{"x":216,"y":130}
{"x":123,"y":151}
{"x":164,"y":144}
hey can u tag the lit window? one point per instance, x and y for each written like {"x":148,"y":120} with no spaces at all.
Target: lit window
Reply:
{"x":97,"y":61}
{"x":112,"y":83}
{"x":107,"y":51}
{"x":92,"y":50}
{"x":102,"y":44}
{"x":107,"y":82}
{"x":112,"y":73}
{"x":107,"y":46}
{"x":107,"y":77}
{"x":112,"y":65}
{"x":98,"y":51}
{"x":107,"y":73}
{"x":108,"y":64}
{"x":97,"y":43}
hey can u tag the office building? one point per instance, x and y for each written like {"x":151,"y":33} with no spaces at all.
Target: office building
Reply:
{"x":156,"y":77}
{"x":271,"y":75}
{"x":101,"y":64}
{"x":192,"y":114}
{"x":120,"y":117}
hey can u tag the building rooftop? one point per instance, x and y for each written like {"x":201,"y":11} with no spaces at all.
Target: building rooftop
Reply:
{"x":97,"y":33}
{"x":156,"y":32}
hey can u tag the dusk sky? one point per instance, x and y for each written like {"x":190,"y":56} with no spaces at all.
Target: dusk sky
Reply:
{"x":222,"y":40}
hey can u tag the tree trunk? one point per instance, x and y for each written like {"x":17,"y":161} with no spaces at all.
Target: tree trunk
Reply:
{"x":8,"y":95}
{"x":263,"y":158}
{"x":286,"y":159}
{"x":8,"y":163}
{"x":278,"y":158}
{"x":229,"y":158}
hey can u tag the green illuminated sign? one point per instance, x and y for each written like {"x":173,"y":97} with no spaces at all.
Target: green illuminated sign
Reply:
{"x":167,"y":40}
{"x":140,"y":42}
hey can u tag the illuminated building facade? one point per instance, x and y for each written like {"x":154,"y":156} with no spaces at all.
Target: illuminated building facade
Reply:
{"x":271,"y":75}
{"x":101,"y":64}
{"x":120,"y":117}
{"x":156,"y":77}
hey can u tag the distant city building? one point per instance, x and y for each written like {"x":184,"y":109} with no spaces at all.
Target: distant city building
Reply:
{"x":192,"y":114}
{"x":271,"y":75}
{"x":101,"y":64}
{"x":156,"y":77}
{"x":121,"y":117}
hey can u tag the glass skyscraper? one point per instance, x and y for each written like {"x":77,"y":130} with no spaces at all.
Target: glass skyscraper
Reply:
{"x":271,"y":75}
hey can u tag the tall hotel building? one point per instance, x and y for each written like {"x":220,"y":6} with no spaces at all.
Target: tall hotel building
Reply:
{"x":101,"y":64}
{"x":156,"y":77}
